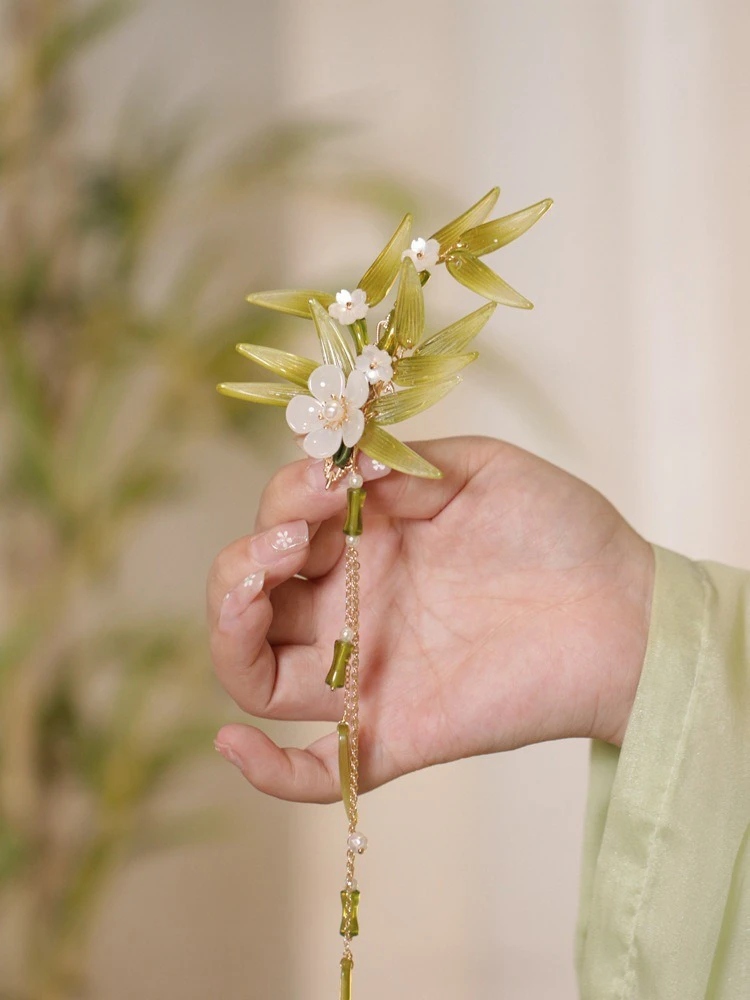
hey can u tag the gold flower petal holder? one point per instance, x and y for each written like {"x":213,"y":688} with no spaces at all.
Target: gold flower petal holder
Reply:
{"x":366,"y":382}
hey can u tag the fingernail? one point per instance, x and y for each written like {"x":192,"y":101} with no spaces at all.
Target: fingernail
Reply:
{"x":228,"y":753}
{"x":371,"y":469}
{"x":237,"y":601}
{"x":315,"y":474}
{"x":273,"y":545}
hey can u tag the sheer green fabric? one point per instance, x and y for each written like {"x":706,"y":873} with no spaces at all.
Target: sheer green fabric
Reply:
{"x":665,"y":889}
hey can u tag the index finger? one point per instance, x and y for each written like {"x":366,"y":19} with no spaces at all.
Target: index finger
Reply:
{"x":298,"y":490}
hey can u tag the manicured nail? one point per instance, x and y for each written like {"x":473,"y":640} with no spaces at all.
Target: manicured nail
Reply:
{"x":371,"y":469}
{"x":228,"y":753}
{"x":315,"y":474}
{"x":237,"y":601}
{"x":273,"y":545}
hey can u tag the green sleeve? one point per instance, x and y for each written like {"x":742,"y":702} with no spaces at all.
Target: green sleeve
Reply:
{"x":665,"y":888}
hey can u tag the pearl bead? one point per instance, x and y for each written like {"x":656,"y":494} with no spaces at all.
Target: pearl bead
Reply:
{"x":333,"y":410}
{"x":352,"y":886}
{"x":352,"y":540}
{"x":347,"y":635}
{"x":355,"y":480}
{"x":357,"y":842}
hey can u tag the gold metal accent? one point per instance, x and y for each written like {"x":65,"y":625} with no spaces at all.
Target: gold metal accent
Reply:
{"x":351,"y":721}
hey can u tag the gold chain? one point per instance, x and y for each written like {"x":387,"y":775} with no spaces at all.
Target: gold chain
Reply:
{"x":351,"y":717}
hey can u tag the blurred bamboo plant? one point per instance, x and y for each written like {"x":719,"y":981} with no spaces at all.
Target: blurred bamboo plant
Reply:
{"x":103,"y":386}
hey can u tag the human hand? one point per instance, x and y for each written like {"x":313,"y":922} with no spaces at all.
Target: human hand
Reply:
{"x":505,"y":604}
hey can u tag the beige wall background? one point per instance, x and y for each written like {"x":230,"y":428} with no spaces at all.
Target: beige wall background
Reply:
{"x":631,"y":373}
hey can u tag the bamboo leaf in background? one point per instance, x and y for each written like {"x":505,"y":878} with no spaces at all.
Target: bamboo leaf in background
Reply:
{"x":77,"y":32}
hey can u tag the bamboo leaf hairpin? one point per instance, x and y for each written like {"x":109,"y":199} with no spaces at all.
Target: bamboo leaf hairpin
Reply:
{"x":340,"y":408}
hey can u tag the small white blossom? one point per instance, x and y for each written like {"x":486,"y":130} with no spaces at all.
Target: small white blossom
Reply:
{"x":376,"y":364}
{"x":283,"y":540}
{"x":378,"y":466}
{"x":332,"y":415}
{"x":424,"y":253}
{"x":349,"y":306}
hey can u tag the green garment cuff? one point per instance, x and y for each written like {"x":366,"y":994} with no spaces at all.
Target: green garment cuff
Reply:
{"x":665,"y":842}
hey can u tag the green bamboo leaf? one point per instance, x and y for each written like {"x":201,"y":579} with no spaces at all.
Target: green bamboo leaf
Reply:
{"x":384,"y":447}
{"x":335,"y":347}
{"x":271,"y":393}
{"x":295,"y":303}
{"x":448,"y":235}
{"x":289,"y":366}
{"x":454,"y":339}
{"x":381,"y":274}
{"x":183,"y":830}
{"x":395,"y":406}
{"x":480,"y":279}
{"x":420,"y":370}
{"x":408,"y":316}
{"x":60,"y":45}
{"x":499,"y":232}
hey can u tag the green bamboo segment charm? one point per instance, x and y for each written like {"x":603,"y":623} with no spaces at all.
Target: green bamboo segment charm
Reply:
{"x":349,"y":923}
{"x":355,"y":501}
{"x":345,"y":775}
{"x":347,"y":964}
{"x":342,"y":650}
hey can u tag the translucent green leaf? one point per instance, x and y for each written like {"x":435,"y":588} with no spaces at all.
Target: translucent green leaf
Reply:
{"x":471,"y":217}
{"x":408,"y":316}
{"x":480,"y":279}
{"x":384,"y":447}
{"x":498,"y":233}
{"x":396,"y":406}
{"x":296,"y":303}
{"x":420,"y":370}
{"x":454,"y":339}
{"x":381,"y":274}
{"x":289,"y":366}
{"x":334,"y":345}
{"x":271,"y":393}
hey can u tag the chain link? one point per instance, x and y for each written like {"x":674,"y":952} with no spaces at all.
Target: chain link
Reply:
{"x":351,"y":718}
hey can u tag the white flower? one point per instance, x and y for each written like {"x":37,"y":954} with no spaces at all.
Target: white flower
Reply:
{"x":376,"y":364}
{"x":349,"y":306}
{"x":332,"y":414}
{"x":424,"y":253}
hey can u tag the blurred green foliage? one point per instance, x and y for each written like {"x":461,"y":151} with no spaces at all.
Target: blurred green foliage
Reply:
{"x":105,"y":382}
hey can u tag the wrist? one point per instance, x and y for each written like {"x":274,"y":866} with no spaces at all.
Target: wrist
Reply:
{"x":632,"y":597}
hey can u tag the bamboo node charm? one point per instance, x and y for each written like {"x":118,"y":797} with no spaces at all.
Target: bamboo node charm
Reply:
{"x":355,"y":501}
{"x":349,"y":916}
{"x":336,"y":677}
